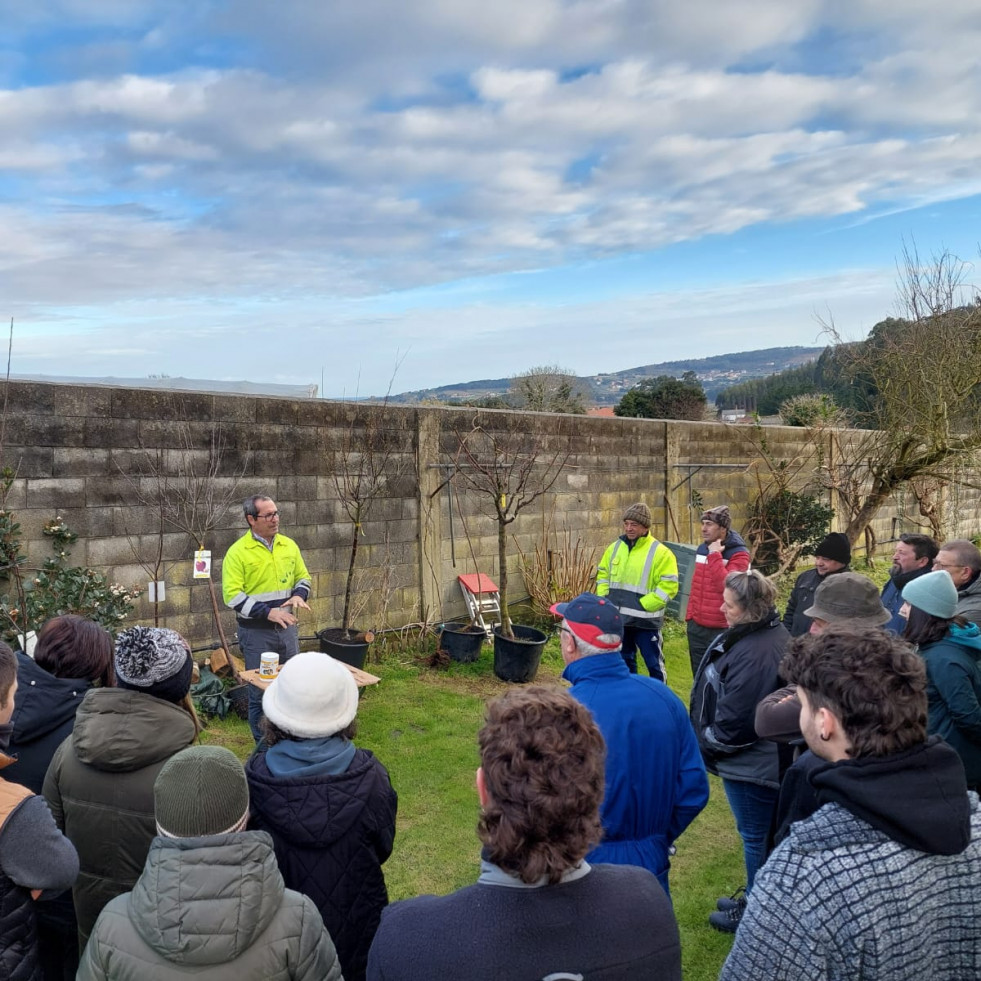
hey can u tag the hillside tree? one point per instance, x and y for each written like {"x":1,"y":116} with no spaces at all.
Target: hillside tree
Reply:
{"x":664,"y":397}
{"x":548,"y":388}
{"x":916,"y":381}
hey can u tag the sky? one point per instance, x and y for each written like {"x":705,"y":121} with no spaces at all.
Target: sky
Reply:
{"x":375,"y":194}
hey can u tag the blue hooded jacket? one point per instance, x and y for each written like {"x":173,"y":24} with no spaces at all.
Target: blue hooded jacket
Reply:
{"x":954,"y":694}
{"x":655,"y":778}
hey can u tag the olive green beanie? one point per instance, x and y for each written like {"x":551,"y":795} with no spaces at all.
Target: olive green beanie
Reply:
{"x":201,"y":791}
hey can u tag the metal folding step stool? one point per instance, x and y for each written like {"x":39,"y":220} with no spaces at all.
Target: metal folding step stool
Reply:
{"x":482,"y":596}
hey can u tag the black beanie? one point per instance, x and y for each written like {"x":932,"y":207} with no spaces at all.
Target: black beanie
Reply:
{"x":835,"y":546}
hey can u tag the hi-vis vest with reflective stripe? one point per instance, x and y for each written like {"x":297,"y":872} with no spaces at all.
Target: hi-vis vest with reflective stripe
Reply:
{"x":640,"y":580}
{"x":253,"y":575}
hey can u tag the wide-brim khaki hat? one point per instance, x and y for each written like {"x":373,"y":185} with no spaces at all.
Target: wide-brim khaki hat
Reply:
{"x":847,"y":597}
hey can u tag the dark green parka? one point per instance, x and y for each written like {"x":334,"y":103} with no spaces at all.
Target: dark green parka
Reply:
{"x":100,"y":789}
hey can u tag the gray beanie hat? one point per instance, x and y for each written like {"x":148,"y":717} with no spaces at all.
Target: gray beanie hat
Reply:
{"x":638,"y":512}
{"x":201,"y":790}
{"x":313,"y":696}
{"x":154,"y":660}
{"x":847,"y":597}
{"x":934,"y":593}
{"x":720,"y":515}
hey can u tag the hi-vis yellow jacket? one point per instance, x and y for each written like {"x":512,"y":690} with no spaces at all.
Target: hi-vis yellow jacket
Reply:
{"x":255,"y":578}
{"x":640,"y":580}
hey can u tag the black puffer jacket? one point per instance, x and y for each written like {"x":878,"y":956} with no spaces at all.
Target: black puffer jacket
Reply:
{"x":331,"y":835}
{"x":18,"y":936}
{"x":737,"y":672}
{"x":34,"y":855}
{"x":44,"y":715}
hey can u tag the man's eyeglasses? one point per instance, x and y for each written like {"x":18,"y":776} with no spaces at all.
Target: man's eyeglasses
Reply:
{"x":937,"y":564}
{"x":272,"y":514}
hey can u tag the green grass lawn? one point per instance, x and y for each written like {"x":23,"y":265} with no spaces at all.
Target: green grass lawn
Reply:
{"x":422,"y":724}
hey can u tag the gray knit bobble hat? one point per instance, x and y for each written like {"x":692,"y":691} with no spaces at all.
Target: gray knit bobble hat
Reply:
{"x":934,"y":593}
{"x":638,"y":512}
{"x":153,"y":660}
{"x":201,"y":790}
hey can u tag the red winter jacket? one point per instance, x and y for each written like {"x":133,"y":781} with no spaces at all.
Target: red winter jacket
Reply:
{"x":709,"y":578}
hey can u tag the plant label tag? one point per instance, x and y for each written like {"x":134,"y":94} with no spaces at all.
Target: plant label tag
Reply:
{"x":202,"y":564}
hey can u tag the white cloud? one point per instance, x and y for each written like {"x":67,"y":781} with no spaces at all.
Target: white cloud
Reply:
{"x":341,"y":150}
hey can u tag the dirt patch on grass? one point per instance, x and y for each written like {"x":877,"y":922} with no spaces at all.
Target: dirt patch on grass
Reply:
{"x":483,"y":686}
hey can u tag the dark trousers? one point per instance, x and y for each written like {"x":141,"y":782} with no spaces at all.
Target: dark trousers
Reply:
{"x":57,"y":937}
{"x":648,"y":642}
{"x":255,"y":640}
{"x":699,"y":638}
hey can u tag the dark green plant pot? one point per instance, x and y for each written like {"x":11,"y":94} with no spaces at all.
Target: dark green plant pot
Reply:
{"x":516,"y":659}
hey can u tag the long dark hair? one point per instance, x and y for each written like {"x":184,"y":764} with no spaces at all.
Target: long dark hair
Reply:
{"x":923,"y":629}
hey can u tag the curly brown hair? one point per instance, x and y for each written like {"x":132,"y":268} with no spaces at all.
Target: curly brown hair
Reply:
{"x":869,"y":679}
{"x":542,"y":756}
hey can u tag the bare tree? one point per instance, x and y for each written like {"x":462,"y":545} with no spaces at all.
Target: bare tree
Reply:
{"x":785,"y":517}
{"x":362,"y":466}
{"x":190,"y":488}
{"x":548,"y":388}
{"x":509,"y":469}
{"x":918,"y":380}
{"x":151,"y":493}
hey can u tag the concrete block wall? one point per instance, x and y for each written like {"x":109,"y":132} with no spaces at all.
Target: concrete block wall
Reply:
{"x":101,"y":457}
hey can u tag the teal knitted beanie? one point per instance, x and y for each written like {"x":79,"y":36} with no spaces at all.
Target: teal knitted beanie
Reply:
{"x":934,"y":593}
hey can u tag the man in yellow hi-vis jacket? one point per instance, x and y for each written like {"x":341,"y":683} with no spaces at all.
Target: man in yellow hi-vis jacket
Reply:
{"x":640,"y":575}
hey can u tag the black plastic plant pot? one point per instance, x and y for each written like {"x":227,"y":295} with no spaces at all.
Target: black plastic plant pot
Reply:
{"x":462,"y":643}
{"x":342,"y":645}
{"x":516,"y":659}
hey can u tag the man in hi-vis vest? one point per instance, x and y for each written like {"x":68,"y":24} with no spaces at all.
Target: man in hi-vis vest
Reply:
{"x":640,"y":576}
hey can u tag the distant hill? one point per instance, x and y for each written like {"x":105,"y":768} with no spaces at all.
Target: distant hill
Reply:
{"x":180,"y":384}
{"x":715,"y":373}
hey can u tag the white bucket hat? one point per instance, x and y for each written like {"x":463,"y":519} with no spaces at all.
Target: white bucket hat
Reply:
{"x":312,"y":696}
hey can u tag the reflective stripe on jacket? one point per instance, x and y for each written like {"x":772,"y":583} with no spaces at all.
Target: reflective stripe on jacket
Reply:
{"x":255,"y":578}
{"x":641,"y":580}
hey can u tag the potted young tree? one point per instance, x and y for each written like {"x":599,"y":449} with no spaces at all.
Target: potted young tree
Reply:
{"x":509,"y":469}
{"x":361,"y":467}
